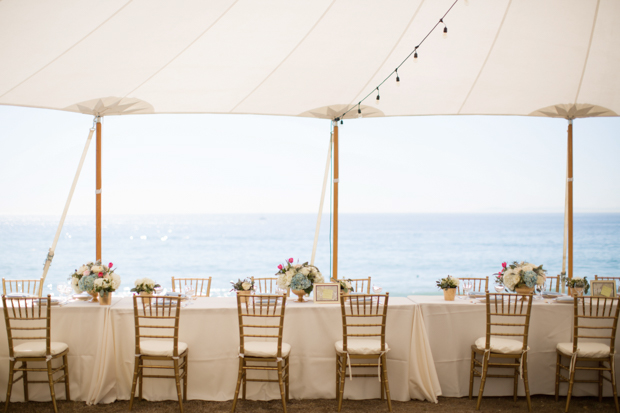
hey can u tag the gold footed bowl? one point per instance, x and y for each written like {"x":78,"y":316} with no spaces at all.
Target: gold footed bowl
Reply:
{"x":524,"y":290}
{"x":94,"y":295}
{"x":300,"y":294}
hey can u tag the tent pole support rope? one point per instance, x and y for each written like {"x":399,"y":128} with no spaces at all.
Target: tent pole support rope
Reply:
{"x":98,"y":189}
{"x":318,"y":221}
{"x":335,"y":184}
{"x":50,"y":255}
{"x":569,"y":182}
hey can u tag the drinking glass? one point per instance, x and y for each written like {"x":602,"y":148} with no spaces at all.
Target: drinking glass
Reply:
{"x":376,"y":289}
{"x":467,"y":286}
{"x":190,"y":292}
{"x":499,"y":288}
{"x":158,"y":290}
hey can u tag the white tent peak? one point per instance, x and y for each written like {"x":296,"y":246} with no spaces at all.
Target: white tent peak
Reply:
{"x":573,"y":111}
{"x":112,"y":106}
{"x":336,"y":111}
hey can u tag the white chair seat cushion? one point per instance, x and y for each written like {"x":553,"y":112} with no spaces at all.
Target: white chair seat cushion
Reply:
{"x":361,"y":346}
{"x":264,"y":349}
{"x":501,"y":345}
{"x":585,"y":349}
{"x":37,"y":349}
{"x":160,"y":348}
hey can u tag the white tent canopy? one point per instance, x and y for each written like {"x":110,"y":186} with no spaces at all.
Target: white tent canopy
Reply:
{"x":309,"y":58}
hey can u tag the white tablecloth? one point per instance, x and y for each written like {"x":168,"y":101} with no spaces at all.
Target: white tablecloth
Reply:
{"x":453,"y":326}
{"x":86,"y":328}
{"x":210,"y":327}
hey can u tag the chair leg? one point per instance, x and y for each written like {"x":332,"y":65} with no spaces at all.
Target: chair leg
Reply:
{"x":613,"y":383}
{"x":9,"y":386}
{"x":337,"y":375}
{"x":65,"y":360}
{"x":526,"y":383}
{"x":238,"y":384}
{"x":288,"y":363}
{"x":185,"y":377}
{"x":177,"y":379}
{"x":557,"y":376}
{"x":387,"y":386}
{"x":134,"y":382}
{"x":516,"y":382}
{"x":50,"y":378}
{"x":281,"y":383}
{"x":600,"y":382}
{"x":571,"y":381}
{"x":343,"y":373}
{"x":25,"y":380}
{"x":140,"y":379}
{"x":382,"y":387}
{"x":244,"y":380}
{"x":483,"y":378}
{"x":471,"y":374}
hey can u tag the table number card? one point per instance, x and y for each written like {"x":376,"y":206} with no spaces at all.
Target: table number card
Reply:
{"x":328,"y":293}
{"x":603,"y":288}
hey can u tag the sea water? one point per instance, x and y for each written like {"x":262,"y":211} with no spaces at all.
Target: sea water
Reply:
{"x":403,"y":253}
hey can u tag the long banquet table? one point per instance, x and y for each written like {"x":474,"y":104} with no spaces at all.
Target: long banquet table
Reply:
{"x":101,"y":356}
{"x":453,"y":326}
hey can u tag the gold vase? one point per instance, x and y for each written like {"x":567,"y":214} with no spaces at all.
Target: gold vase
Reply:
{"x":146,"y":298}
{"x":94,"y":295}
{"x":524,"y":290}
{"x":105,"y":298}
{"x":300,"y":294}
{"x":449,"y":294}
{"x":243,"y":296}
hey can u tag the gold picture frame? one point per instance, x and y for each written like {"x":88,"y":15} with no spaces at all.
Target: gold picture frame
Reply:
{"x":327,"y":293}
{"x":603,"y":288}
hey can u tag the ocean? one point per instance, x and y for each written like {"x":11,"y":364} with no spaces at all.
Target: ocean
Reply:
{"x":403,"y":253}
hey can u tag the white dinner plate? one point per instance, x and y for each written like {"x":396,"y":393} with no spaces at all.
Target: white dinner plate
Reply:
{"x":565,"y":300}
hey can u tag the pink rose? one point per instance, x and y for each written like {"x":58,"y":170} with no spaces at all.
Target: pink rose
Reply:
{"x":110,"y":265}
{"x":280,"y":266}
{"x":86,"y":272}
{"x":290,"y":260}
{"x":100,"y":275}
{"x":503,"y":265}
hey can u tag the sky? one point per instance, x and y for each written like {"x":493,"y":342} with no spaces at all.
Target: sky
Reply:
{"x":194,"y":164}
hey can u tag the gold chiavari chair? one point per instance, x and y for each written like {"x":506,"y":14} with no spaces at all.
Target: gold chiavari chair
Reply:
{"x":508,"y":315}
{"x":266,"y":285}
{"x":553,"y":280}
{"x":265,"y":313}
{"x":153,"y":317}
{"x":361,"y":284}
{"x":603,"y":278}
{"x":477,"y":284}
{"x":29,"y":320}
{"x":197,"y":284}
{"x":366,"y":313}
{"x":595,"y":319}
{"x":31,"y":287}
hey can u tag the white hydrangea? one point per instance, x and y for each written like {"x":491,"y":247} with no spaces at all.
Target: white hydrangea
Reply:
{"x":115,"y":280}
{"x":246,"y":286}
{"x":305,"y":271}
{"x":74,"y":285}
{"x":511,"y":279}
{"x":99,"y":282}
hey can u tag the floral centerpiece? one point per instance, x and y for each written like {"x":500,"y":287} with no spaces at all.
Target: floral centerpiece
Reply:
{"x":521,"y":277}
{"x":83,"y":279}
{"x":345,"y":285}
{"x":448,"y":285}
{"x":298,"y":277}
{"x":144,"y":285}
{"x":246,"y":284}
{"x":580,"y":285}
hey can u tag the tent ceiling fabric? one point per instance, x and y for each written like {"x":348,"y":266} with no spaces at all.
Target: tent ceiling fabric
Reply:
{"x":309,"y":58}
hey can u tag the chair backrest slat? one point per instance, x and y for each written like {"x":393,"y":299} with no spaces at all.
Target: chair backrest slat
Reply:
{"x":201,"y":286}
{"x":35,"y":313}
{"x":31,"y":287}
{"x":553,"y":280}
{"x":160,"y":313}
{"x":601,"y":311}
{"x":500,"y":306}
{"x":479,"y":284}
{"x":255,"y":311}
{"x":357,"y":308}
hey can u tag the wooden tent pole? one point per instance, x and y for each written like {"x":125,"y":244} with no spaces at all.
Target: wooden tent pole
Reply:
{"x":98,"y":190}
{"x":335,"y":242}
{"x":570,"y":198}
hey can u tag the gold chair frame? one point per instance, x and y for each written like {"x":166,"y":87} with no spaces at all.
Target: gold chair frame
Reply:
{"x":30,"y":310}
{"x":551,"y":279}
{"x":158,"y":313}
{"x":501,"y":306}
{"x":592,"y":308}
{"x":362,"y":309}
{"x":197,"y":283}
{"x":263,"y":312}
{"x":32,"y":287}
{"x":473,"y":281}
{"x":603,"y":278}
{"x":272,"y":282}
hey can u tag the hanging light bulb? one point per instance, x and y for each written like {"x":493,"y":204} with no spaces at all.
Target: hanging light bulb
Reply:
{"x":359,"y":111}
{"x":397,"y":78}
{"x":415,"y":55}
{"x":341,"y":122}
{"x":378,"y":97}
{"x":445,"y":29}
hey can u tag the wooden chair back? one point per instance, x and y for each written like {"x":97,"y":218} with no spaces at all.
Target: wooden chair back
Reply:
{"x":477,"y":283}
{"x":554,"y":283}
{"x":202,"y":286}
{"x":31,"y":287}
{"x":364,"y":315}
{"x":361,"y":285}
{"x":154,"y":316}
{"x":27,"y":319}
{"x":261,"y":314}
{"x":508,"y":315}
{"x":268,"y":285}
{"x":603,"y":278}
{"x":595,"y":318}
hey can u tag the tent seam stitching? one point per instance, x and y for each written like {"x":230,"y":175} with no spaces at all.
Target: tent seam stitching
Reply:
{"x":183,"y":51}
{"x":66,"y":51}
{"x":486,"y":59}
{"x":286,"y":58}
{"x":585,"y":63}
{"x":390,"y":53}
